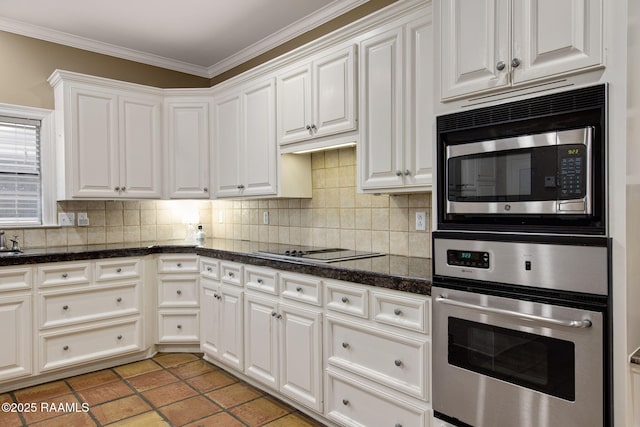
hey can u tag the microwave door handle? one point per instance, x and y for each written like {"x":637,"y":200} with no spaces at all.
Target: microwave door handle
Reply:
{"x":586,"y":323}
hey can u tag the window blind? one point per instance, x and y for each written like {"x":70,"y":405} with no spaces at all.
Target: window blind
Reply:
{"x":20,"y":181}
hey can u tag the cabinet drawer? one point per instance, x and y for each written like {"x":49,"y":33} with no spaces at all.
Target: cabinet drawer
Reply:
{"x":178,"y":264}
{"x":399,"y":362}
{"x":352,"y":403}
{"x":12,"y":279}
{"x":118,"y":269}
{"x":179,"y":327}
{"x":231,"y":273}
{"x":301,"y":288}
{"x":347,"y":298}
{"x":401,"y":311}
{"x":64,"y":274}
{"x":261,"y":279}
{"x":64,"y":308}
{"x":178,"y":291}
{"x":89,"y":344}
{"x":210,"y":268}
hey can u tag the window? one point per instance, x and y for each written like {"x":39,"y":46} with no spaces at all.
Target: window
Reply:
{"x":26,"y":161}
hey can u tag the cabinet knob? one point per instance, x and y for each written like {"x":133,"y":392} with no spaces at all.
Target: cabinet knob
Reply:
{"x":231,"y":274}
{"x":123,"y":188}
{"x":240,"y":186}
{"x":179,"y":292}
{"x":260,"y":281}
{"x":219,"y":296}
{"x":205,"y":189}
{"x":398,"y":425}
{"x":345,"y":300}
{"x":119,"y":299}
{"x":515,"y":62}
{"x":299,"y":289}
{"x":65,"y":275}
{"x":274,"y":314}
{"x":179,"y":265}
{"x":65,"y":307}
{"x":407,"y":172}
{"x":345,"y":402}
{"x":345,"y":345}
{"x":215,"y":295}
{"x":179,"y":326}
{"x":279,"y":316}
{"x":500,"y":65}
{"x":209,"y":269}
{"x":308,"y":127}
{"x":117,"y":189}
{"x":65,"y":348}
{"x":119,"y":270}
{"x":398,"y":173}
{"x":119,"y":337}
{"x":397,"y":312}
{"x":314,"y":128}
{"x":397,"y":362}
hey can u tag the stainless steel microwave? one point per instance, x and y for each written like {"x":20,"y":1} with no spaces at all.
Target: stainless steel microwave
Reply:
{"x":542,"y":171}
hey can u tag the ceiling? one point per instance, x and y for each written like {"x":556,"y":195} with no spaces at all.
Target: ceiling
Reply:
{"x":201,"y":37}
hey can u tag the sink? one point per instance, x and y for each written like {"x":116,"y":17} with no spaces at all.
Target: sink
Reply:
{"x":9,"y":253}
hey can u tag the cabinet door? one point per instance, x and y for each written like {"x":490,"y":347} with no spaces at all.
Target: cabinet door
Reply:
{"x":231,"y":327}
{"x":188,"y":141}
{"x":301,"y":355}
{"x":94,"y":148}
{"x":418,"y":140}
{"x":261,"y":340}
{"x":259,"y":151}
{"x":210,"y":321}
{"x":16,"y":337}
{"x":474,"y":40}
{"x":551,"y":37}
{"x":140,"y":147}
{"x":294,"y":105}
{"x":334,"y":93}
{"x":381,"y":115}
{"x":227,"y":119}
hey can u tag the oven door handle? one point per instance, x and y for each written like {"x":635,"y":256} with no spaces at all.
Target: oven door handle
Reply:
{"x":585,"y":323}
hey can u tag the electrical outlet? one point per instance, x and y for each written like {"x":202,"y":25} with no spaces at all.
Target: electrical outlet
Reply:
{"x":265,"y":217}
{"x":421,"y":221}
{"x":83,"y":219}
{"x":66,"y":219}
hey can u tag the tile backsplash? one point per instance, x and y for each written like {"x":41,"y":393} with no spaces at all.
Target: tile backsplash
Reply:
{"x":336,"y":215}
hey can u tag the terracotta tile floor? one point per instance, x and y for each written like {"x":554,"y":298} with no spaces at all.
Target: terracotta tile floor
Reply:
{"x":171,"y":389}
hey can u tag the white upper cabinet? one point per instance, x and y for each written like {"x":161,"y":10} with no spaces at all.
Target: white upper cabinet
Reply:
{"x":188,"y":139}
{"x":109,"y":137}
{"x":396,"y":107}
{"x":490,"y":44}
{"x":317,"y":98}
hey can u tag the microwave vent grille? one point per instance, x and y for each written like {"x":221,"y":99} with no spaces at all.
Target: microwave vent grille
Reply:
{"x":559,"y":103}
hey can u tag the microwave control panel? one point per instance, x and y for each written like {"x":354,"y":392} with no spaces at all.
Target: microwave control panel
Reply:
{"x":476,"y":259}
{"x":571,"y":171}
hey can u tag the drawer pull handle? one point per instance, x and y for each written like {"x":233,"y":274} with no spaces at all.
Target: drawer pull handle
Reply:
{"x":65,"y":307}
{"x":119,"y":337}
{"x":397,"y":312}
{"x":398,"y":362}
{"x":179,"y":264}
{"x":119,"y":270}
{"x":65,"y":348}
{"x":345,"y":345}
{"x":179,"y":292}
{"x":345,"y":300}
{"x":209,"y":269}
{"x":260,"y":281}
{"x":65,"y":275}
{"x":299,"y":289}
{"x":119,"y":299}
{"x":345,"y":402}
{"x":179,"y":326}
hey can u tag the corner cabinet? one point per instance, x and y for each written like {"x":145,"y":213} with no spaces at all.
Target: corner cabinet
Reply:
{"x":109,"y":138}
{"x":317,"y":98}
{"x":396,"y":93}
{"x":188,"y":138}
{"x":494,"y":44}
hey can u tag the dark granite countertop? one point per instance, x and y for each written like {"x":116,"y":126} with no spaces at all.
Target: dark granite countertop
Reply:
{"x":409,"y":274}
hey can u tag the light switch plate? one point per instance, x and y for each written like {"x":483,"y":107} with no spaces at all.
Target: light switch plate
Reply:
{"x":83,"y":219}
{"x":421,"y":221}
{"x":66,"y":219}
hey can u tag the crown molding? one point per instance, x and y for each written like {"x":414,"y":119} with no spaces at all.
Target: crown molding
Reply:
{"x":326,"y":14}
{"x":299,"y":27}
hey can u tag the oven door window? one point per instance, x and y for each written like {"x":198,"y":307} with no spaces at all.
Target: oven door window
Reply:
{"x":522,"y":175}
{"x":533,"y":361}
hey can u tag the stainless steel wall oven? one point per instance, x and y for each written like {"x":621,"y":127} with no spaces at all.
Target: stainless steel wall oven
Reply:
{"x":536,"y":165}
{"x":521,"y":330}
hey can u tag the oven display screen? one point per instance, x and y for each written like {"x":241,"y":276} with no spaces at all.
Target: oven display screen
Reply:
{"x":477,"y":259}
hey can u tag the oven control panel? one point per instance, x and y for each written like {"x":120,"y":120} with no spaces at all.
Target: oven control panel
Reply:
{"x":476,"y":259}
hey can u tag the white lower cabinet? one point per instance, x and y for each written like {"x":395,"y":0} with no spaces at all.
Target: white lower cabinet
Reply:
{"x":88,"y":311}
{"x":16,"y":336}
